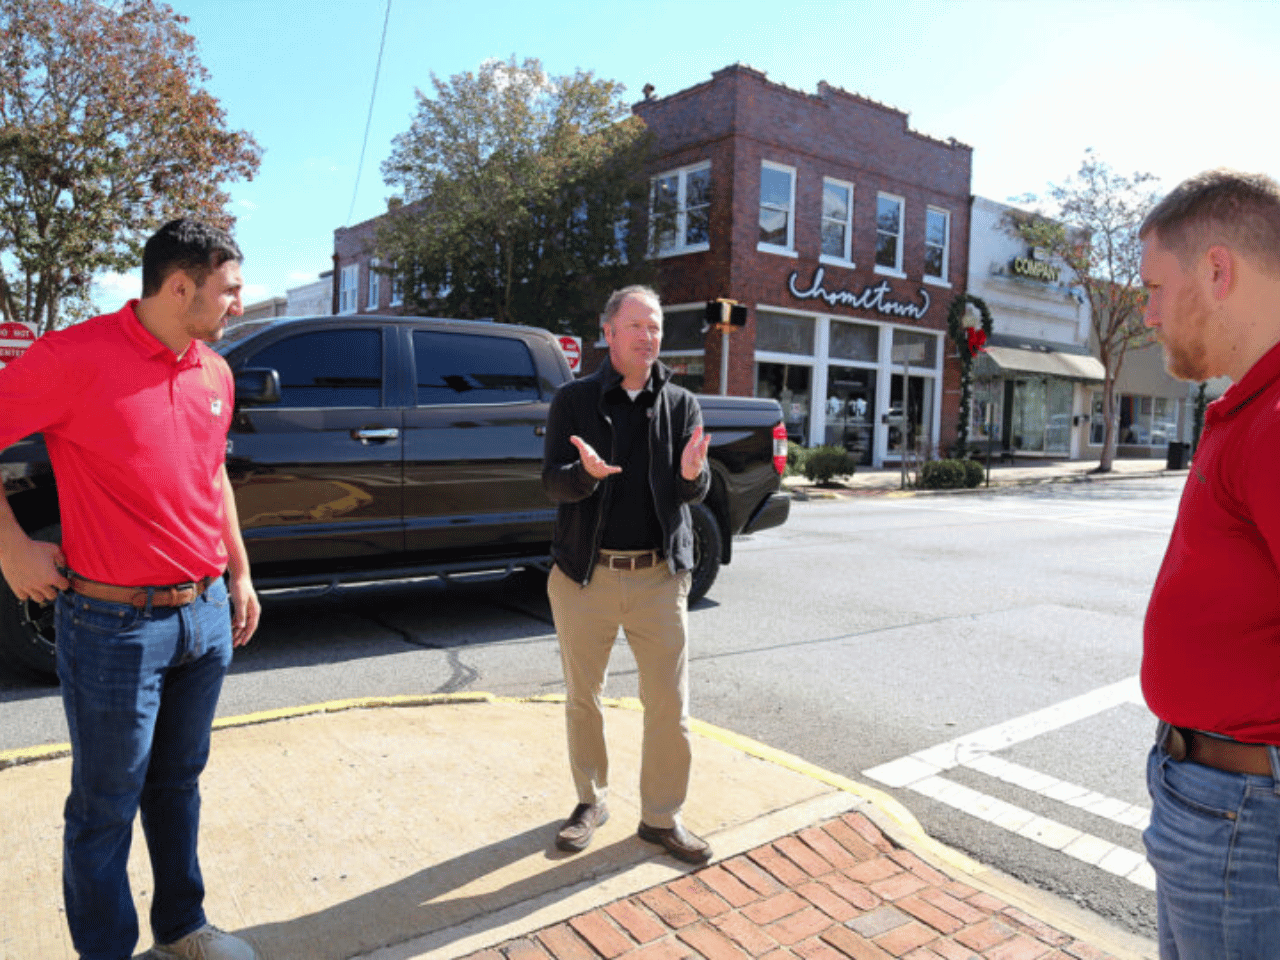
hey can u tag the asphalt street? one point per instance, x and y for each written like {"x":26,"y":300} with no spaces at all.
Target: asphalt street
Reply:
{"x":973,"y":654}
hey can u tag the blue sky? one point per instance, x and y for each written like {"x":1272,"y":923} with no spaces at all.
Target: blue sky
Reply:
{"x":1165,"y":86}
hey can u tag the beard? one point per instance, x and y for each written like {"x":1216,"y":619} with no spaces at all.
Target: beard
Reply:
{"x":1187,"y":356}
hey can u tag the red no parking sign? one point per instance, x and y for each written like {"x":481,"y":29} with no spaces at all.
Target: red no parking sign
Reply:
{"x":14,"y":339}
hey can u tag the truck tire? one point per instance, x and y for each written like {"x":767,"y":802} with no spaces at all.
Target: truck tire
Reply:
{"x":706,"y":551}
{"x":26,"y":627}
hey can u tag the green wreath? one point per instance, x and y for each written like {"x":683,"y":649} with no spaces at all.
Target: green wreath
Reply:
{"x":970,"y":341}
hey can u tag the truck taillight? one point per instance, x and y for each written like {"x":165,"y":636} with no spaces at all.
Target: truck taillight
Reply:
{"x":780,"y":447}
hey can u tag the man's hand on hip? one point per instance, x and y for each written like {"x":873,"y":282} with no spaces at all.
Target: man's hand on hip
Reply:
{"x":592,"y":462}
{"x":32,"y":569}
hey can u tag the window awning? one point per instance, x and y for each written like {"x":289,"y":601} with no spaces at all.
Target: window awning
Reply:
{"x":1052,"y":363}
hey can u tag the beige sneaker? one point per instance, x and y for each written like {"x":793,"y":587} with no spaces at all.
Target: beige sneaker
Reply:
{"x":207,"y":943}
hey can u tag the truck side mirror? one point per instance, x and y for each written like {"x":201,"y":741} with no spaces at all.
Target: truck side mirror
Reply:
{"x":257,"y":385}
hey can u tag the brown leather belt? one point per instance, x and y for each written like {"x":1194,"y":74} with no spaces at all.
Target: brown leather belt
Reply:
{"x":173,"y":595}
{"x":629,"y":561}
{"x":1229,"y":755}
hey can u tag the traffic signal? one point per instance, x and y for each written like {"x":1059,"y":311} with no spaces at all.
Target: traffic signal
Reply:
{"x":726,"y":313}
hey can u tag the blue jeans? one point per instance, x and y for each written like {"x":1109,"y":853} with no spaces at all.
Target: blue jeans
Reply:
{"x":1214,"y":843}
{"x":139,"y":688}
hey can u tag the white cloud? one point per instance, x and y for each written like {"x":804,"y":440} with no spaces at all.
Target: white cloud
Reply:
{"x":247,"y":204}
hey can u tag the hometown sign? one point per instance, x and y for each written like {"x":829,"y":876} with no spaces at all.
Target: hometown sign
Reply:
{"x":572,"y":347}
{"x":14,"y":339}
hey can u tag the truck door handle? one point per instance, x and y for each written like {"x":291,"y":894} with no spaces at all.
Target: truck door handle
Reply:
{"x":375,"y":434}
{"x":540,"y":431}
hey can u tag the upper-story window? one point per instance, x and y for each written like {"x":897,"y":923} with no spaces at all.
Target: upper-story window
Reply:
{"x":680,"y":210}
{"x":375,"y":284}
{"x":396,"y":283}
{"x":889,"y":218}
{"x":777,"y":203}
{"x":937,"y":241}
{"x":349,"y":283}
{"x":837,"y":220}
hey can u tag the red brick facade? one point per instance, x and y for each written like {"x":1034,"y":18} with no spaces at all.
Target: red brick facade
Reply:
{"x":739,"y":120}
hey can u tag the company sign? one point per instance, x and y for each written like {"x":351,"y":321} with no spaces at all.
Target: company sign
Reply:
{"x":1035,"y":269}
{"x":572,"y":347}
{"x":14,"y":339}
{"x":879,"y":298}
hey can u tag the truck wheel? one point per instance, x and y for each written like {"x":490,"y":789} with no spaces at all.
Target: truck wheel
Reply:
{"x":26,"y":627}
{"x":706,"y":551}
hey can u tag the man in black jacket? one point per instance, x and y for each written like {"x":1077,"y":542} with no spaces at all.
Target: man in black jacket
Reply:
{"x":625,"y":456}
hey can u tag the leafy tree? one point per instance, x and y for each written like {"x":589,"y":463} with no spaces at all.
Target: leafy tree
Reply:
{"x":518,"y":196}
{"x":105,"y":133}
{"x":1092,"y":226}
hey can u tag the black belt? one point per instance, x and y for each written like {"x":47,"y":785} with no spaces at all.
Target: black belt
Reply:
{"x":1231,"y":756}
{"x":630,"y":561}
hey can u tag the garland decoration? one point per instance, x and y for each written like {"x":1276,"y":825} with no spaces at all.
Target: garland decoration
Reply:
{"x":970,"y":341}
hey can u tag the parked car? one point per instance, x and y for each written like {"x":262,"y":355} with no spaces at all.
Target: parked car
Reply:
{"x":369,"y":448}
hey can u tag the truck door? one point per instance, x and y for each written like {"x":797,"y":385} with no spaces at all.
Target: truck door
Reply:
{"x":318,"y":475}
{"x":473,"y":448}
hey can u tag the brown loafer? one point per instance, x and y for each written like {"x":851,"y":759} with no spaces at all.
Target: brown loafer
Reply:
{"x":678,"y":841}
{"x":576,"y":833}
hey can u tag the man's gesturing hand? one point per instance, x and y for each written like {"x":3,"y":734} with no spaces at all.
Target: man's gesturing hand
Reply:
{"x":591,"y":461}
{"x":695,"y":454}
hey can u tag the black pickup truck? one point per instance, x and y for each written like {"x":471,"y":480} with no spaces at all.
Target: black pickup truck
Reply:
{"x":372,"y":448}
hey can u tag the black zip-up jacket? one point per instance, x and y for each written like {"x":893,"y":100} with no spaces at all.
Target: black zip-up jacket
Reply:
{"x":578,"y":409}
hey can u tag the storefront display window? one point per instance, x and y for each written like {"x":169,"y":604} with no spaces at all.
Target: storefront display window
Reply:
{"x":1141,"y":421}
{"x":784,"y":333}
{"x":929,"y":356}
{"x":789,"y":384}
{"x":854,"y":341}
{"x":686,"y":371}
{"x":850,"y":411}
{"x":682,"y":329}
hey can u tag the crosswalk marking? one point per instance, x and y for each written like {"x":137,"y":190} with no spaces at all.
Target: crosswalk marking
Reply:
{"x":922,"y":772}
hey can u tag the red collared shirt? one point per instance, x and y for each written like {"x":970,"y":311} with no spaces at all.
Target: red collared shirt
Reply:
{"x":1211,"y":645}
{"x":137,"y":438}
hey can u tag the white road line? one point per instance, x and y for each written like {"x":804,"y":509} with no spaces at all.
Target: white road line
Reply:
{"x":920,"y":772}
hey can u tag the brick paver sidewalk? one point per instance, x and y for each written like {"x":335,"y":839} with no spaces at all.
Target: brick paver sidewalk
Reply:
{"x":837,"y":890}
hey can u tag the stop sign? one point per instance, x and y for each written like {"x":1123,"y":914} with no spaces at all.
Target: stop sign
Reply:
{"x":14,"y":339}
{"x":572,"y":347}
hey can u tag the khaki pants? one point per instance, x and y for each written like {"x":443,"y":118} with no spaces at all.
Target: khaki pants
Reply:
{"x":651,"y":607}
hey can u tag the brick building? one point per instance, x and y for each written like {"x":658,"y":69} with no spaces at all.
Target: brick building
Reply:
{"x":845,"y":234}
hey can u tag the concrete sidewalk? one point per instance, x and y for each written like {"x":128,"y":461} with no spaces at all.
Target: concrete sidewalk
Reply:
{"x":423,"y":828}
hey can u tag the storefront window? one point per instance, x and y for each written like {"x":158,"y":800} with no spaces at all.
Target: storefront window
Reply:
{"x":929,"y":355}
{"x":850,"y":411}
{"x":1164,"y":426}
{"x":919,"y":406}
{"x":1030,"y":414}
{"x":854,"y":341}
{"x":789,"y":384}
{"x":687,"y":371}
{"x":784,"y":333}
{"x":1057,"y":434}
{"x":682,"y":329}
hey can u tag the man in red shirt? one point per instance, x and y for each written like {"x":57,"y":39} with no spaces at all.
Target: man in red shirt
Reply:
{"x":134,"y":408}
{"x":1211,"y":648}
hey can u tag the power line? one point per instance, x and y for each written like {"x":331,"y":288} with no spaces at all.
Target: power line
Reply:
{"x":369,"y":120}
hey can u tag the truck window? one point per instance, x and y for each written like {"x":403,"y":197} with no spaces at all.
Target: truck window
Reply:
{"x":470,"y":368}
{"x":327,"y":368}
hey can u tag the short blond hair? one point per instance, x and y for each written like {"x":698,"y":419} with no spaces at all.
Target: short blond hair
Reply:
{"x":1237,"y":210}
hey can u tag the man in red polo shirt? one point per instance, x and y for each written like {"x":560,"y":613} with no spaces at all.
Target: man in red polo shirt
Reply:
{"x":1211,"y":658}
{"x":134,"y":408}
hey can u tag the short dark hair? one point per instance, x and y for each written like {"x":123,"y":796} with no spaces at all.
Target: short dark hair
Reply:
{"x":195,"y":248}
{"x":1236,"y":210}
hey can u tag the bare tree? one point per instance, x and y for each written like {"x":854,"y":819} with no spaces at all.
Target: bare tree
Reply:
{"x":1091,"y":223}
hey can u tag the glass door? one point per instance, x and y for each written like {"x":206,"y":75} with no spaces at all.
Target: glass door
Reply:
{"x":850,"y":411}
{"x":918,"y":412}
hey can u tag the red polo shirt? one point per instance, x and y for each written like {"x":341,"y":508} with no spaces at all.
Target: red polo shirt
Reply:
{"x":1211,"y":645}
{"x":137,"y":438}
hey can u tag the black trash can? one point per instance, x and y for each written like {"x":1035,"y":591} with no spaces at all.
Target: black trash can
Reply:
{"x":1178,"y":454}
